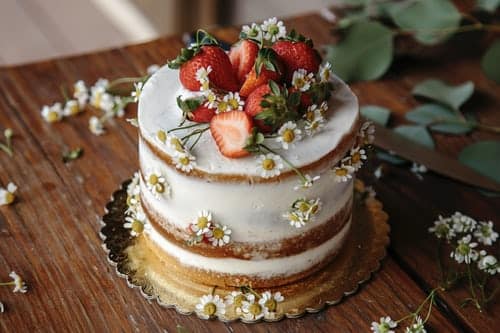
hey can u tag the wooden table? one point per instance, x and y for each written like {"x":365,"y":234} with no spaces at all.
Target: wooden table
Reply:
{"x":50,"y":235}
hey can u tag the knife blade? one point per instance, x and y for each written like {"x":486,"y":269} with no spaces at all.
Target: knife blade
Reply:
{"x":439,"y":163}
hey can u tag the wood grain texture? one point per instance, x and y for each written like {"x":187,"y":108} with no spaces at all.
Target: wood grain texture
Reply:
{"x":50,"y":235}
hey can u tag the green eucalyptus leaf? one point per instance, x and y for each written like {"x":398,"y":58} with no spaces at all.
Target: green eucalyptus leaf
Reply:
{"x":491,"y":62}
{"x":417,"y":134}
{"x":391,"y":158}
{"x":437,"y":90}
{"x":375,"y":113}
{"x":484,"y":157}
{"x":488,"y":5}
{"x":440,"y":119}
{"x":365,"y":53}
{"x":432,"y":21}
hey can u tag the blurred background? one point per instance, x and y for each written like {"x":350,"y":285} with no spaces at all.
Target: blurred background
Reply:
{"x":32,"y":30}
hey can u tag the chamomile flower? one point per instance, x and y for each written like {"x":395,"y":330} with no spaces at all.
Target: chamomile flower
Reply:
{"x":101,"y":83}
{"x":161,"y":136}
{"x":118,"y":108}
{"x":233,"y":101}
{"x":442,"y":228}
{"x":19,"y":284}
{"x":307,"y":208}
{"x":7,"y":195}
{"x":323,"y":108}
{"x":307,"y":182}
{"x":152,"y":69}
{"x":270,"y":302}
{"x":385,"y":325}
{"x":465,"y":252}
{"x":220,"y":235}
{"x":107,"y":102}
{"x":96,"y":126}
{"x":157,"y":184}
{"x":485,"y":234}
{"x":201,"y":225}
{"x":488,"y":263}
{"x":96,"y":93}
{"x":463,"y":223}
{"x":301,"y":80}
{"x":236,"y":298}
{"x":81,"y":93}
{"x":136,"y":93}
{"x":289,"y":134}
{"x":184,"y":161}
{"x":296,"y":219}
{"x":417,"y":326}
{"x":133,"y":191}
{"x":174,"y":143}
{"x":251,"y":309}
{"x":367,"y":133}
{"x":210,"y":306}
{"x":358,"y":155}
{"x":325,"y":72}
{"x":137,"y":223}
{"x":52,"y":113}
{"x":269,"y":165}
{"x":313,"y":127}
{"x":212,"y":100}
{"x":313,"y":113}
{"x":253,"y":32}
{"x":202,"y":75}
{"x":343,"y":172}
{"x":273,"y":29}
{"x":71,"y":108}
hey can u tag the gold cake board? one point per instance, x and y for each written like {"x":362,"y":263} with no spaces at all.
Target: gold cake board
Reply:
{"x":353,"y":265}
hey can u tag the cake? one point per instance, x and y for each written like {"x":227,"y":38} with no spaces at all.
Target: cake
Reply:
{"x":257,"y":193}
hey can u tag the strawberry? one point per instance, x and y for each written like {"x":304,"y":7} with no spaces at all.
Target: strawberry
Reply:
{"x":295,"y":55}
{"x":202,"y":114}
{"x":221,"y":77}
{"x":253,"y":105}
{"x":230,"y":131}
{"x":305,"y":97}
{"x":242,"y":56}
{"x":253,"y":81}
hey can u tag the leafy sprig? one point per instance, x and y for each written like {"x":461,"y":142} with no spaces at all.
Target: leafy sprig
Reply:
{"x":267,"y":58}
{"x":279,"y":106}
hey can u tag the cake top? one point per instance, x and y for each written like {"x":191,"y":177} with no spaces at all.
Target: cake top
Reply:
{"x":265,"y":108}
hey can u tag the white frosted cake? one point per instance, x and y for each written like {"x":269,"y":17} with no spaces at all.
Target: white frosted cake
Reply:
{"x":230,"y":198}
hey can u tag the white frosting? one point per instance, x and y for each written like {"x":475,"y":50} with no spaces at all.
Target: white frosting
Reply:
{"x":283,"y":266}
{"x":158,"y":110}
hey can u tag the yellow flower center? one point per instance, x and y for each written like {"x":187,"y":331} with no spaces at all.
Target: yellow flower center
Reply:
{"x":97,"y":100}
{"x":310,"y":115}
{"x":177,"y":144}
{"x":52,"y":116}
{"x":205,"y":85}
{"x":9,"y":198}
{"x":73,"y":109}
{"x":314,"y":125}
{"x":326,"y":74}
{"x":233,"y":103}
{"x":255,"y":309}
{"x":137,"y":226}
{"x":218,"y":233}
{"x":202,"y":222}
{"x":160,"y":188}
{"x":341,"y":172}
{"x":223,"y":106}
{"x":356,"y":157}
{"x":314,"y":209}
{"x":271,"y":305}
{"x":238,"y":300}
{"x":162,"y":136}
{"x":268,"y":164}
{"x":184,"y":160}
{"x":211,"y":98}
{"x":299,"y":82}
{"x":209,"y":309}
{"x":303,"y":206}
{"x":288,"y":135}
{"x":153,"y":179}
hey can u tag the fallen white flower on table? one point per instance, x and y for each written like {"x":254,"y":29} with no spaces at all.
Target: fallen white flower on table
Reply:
{"x":7,"y":195}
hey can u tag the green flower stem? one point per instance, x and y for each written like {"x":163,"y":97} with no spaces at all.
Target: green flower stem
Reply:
{"x":64,"y":93}
{"x":250,"y":289}
{"x":184,"y":127}
{"x":297,"y":171}
{"x":493,"y":294}
{"x":197,"y":139}
{"x":198,"y":131}
{"x":11,"y":283}
{"x":124,"y":80}
{"x":471,"y":286}
{"x":6,"y":148}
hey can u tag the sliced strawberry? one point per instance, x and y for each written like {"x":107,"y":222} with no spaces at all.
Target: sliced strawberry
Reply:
{"x":253,"y":107}
{"x":242,"y":56}
{"x":295,"y":55}
{"x":230,"y":131}
{"x":202,"y":114}
{"x":221,"y":77}
{"x":253,"y":81}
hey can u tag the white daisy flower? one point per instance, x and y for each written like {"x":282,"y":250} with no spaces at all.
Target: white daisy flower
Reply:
{"x":157,"y":184}
{"x":202,"y":74}
{"x":313,"y":127}
{"x":184,"y":161}
{"x":442,"y":228}
{"x":136,"y":223}
{"x":152,"y":69}
{"x":485,"y":234}
{"x":253,"y":31}
{"x":252,"y":310}
{"x":269,"y":165}
{"x":384,"y":326}
{"x":313,"y":113}
{"x":210,"y":306}
{"x":325,"y":72}
{"x":71,"y":108}
{"x":136,"y":93}
{"x":96,"y":93}
{"x":270,"y":302}
{"x":96,"y":126}
{"x":367,"y":133}
{"x":107,"y":102}
{"x":19,"y":285}
{"x":357,"y":156}
{"x":323,"y":108}
{"x":289,"y":134}
{"x":2,"y":308}
{"x":236,"y":298}
{"x":7,"y":195}
{"x":220,"y":235}
{"x":417,"y":326}
{"x":161,"y":136}
{"x":81,"y":93}
{"x":296,"y":219}
{"x":101,"y":83}
{"x":202,"y":224}
{"x":307,"y":208}
{"x":343,"y":172}
{"x":133,"y":191}
{"x":488,"y":263}
{"x":234,"y":101}
{"x":463,"y":223}
{"x":464,"y":252}
{"x":301,"y":80}
{"x":273,"y":29}
{"x":53,"y":113}
{"x":212,"y":100}
{"x":307,"y":182}
{"x":174,"y":143}
{"x":118,"y":108}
